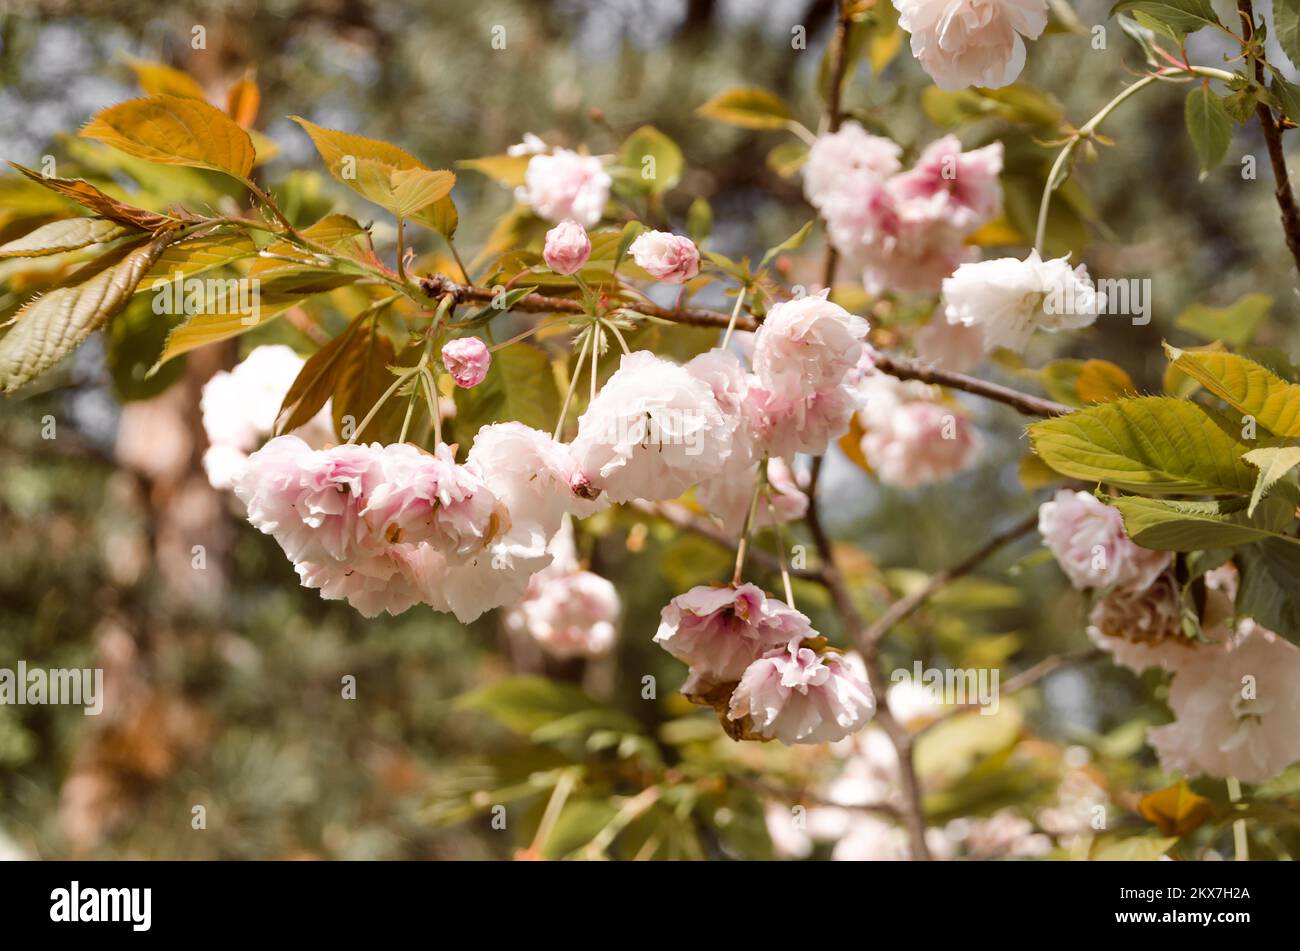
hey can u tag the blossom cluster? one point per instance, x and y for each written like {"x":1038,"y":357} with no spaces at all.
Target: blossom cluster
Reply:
{"x":906,"y":230}
{"x":1233,"y":691}
{"x":756,"y":659}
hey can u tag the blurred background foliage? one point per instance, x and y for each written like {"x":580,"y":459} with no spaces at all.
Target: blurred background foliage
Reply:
{"x":230,"y":675}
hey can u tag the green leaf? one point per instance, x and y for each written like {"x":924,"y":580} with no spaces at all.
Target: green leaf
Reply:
{"x":55,"y":324}
{"x":631,"y":231}
{"x":1273,"y":463}
{"x":525,"y":704}
{"x":1287,"y":96}
{"x":1174,"y":18}
{"x":787,"y":158}
{"x":1245,"y":385}
{"x":699,"y":220}
{"x":1286,"y":28}
{"x":748,"y":107}
{"x":1270,"y":577}
{"x":654,"y":159}
{"x":1209,"y":125}
{"x":789,"y":244}
{"x":171,"y":130}
{"x":1234,"y":324}
{"x":385,"y":174}
{"x":59,"y":236}
{"x":219,"y":312}
{"x":361,"y":377}
{"x":1144,"y":37}
{"x":441,"y":217}
{"x":1167,"y":525}
{"x":197,"y":256}
{"x":508,"y":170}
{"x":316,"y":381}
{"x":507,"y":302}
{"x":519,"y":386}
{"x":1152,"y":444}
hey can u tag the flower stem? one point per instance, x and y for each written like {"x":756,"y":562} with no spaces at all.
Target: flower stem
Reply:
{"x":749,"y":522}
{"x":1240,"y":844}
{"x":1088,"y":128}
{"x":735,"y":313}
{"x":780,"y":548}
{"x":573,"y":385}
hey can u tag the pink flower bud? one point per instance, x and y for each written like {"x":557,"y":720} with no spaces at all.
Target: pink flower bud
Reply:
{"x":671,"y":258}
{"x":467,"y":360}
{"x":567,"y":247}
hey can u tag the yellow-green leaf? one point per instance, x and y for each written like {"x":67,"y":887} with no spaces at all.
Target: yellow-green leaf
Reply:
{"x":171,"y":130}
{"x":1234,"y":324}
{"x":1170,"y":525}
{"x":54,"y":324}
{"x":1273,"y":463}
{"x":748,"y":107}
{"x":1101,"y":380}
{"x":655,"y":161}
{"x":159,"y":79}
{"x":1245,"y":385}
{"x":385,"y":174}
{"x":216,"y":317}
{"x":1147,"y":444}
{"x":58,"y":236}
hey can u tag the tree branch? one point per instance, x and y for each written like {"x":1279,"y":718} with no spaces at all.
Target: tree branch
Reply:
{"x":912,"y":813}
{"x":903,"y":368}
{"x":906,"y":605}
{"x":1286,"y":202}
{"x":1044,"y":668}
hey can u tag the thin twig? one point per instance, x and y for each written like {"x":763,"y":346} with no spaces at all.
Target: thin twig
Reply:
{"x":907,"y":604}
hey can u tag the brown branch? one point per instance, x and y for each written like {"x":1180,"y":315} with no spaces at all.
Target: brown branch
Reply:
{"x":1026,"y":678}
{"x":913,"y":814}
{"x":906,"y":605}
{"x":1286,"y":201}
{"x":839,"y":63}
{"x":440,"y":284}
{"x":903,"y":368}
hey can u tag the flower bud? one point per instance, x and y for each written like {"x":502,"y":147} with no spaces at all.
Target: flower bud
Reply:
{"x":567,"y":247}
{"x":467,"y":360}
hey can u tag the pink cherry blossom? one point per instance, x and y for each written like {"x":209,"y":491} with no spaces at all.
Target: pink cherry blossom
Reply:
{"x":567,"y":247}
{"x":467,"y":360}
{"x":566,"y":185}
{"x":719,"y":632}
{"x":959,"y":188}
{"x":797,"y":696}
{"x":964,"y":43}
{"x":1088,"y":539}
{"x":240,"y":408}
{"x":532,"y":474}
{"x":839,"y":160}
{"x":672,"y":258}
{"x":807,"y":345}
{"x":427,"y":497}
{"x":948,"y":346}
{"x":1236,"y":710}
{"x":727,"y":495}
{"x":311,"y":500}
{"x":909,"y":437}
{"x":569,"y":612}
{"x":652,"y":431}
